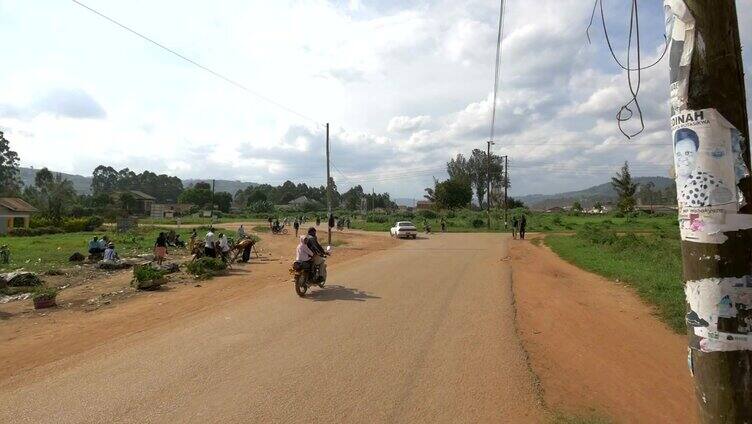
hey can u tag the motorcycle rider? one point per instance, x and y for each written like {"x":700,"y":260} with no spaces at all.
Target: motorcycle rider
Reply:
{"x":318,"y":254}
{"x":304,"y":254}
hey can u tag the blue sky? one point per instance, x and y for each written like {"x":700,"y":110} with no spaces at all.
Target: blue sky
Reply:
{"x":404,"y":84}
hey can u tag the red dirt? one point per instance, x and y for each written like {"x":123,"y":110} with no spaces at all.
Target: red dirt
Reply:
{"x":30,"y":339}
{"x":596,"y":347}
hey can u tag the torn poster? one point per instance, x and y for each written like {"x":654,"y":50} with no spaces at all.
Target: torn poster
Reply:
{"x":709,"y":164}
{"x":680,"y":28}
{"x":721,"y":312}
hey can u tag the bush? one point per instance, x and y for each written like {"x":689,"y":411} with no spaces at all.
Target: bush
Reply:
{"x":45,"y":293}
{"x":147,"y":277}
{"x":261,"y":206}
{"x":75,"y":225}
{"x":93,"y":222}
{"x":40,"y":222}
{"x":24,"y":232}
{"x":478,"y":223}
{"x":381,"y":219}
{"x":206,"y":267}
{"x":451,"y":214}
{"x":427,"y":214}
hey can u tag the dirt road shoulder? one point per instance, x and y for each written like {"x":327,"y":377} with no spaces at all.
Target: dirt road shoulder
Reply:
{"x":595,"y":346}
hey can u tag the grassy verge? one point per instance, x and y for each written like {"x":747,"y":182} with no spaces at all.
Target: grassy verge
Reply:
{"x":42,"y":253}
{"x":651,"y":263}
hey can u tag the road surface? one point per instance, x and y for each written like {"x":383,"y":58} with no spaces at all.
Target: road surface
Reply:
{"x":423,"y":332}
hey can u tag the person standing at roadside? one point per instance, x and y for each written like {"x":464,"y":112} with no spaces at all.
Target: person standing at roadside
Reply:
{"x":160,"y":248}
{"x":318,"y":220}
{"x":514,"y":227}
{"x":209,"y":248}
{"x":523,"y":224}
{"x":296,"y":226}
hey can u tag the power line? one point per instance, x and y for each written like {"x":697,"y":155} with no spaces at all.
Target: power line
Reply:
{"x":197,"y":64}
{"x":496,"y":74}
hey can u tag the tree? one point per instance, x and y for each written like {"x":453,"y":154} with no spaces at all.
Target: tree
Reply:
{"x":9,"y":181}
{"x":223,"y":200}
{"x":127,"y":202}
{"x":458,"y":167}
{"x":200,"y":197}
{"x":453,"y":193}
{"x":577,"y":206}
{"x":53,"y":196}
{"x":202,"y":185}
{"x":625,"y":189}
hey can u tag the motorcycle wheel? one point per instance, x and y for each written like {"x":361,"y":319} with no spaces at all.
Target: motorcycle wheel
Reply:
{"x":300,"y":285}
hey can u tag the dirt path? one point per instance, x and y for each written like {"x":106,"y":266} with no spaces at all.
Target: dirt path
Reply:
{"x":419,"y":333}
{"x":30,"y":339}
{"x":595,"y":346}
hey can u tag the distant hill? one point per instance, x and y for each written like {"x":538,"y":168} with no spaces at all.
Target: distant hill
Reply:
{"x":82,"y":184}
{"x":601,"y":193}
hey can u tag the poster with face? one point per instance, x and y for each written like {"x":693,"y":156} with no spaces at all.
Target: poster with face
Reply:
{"x":721,"y":312}
{"x":708,"y":163}
{"x":680,"y":28}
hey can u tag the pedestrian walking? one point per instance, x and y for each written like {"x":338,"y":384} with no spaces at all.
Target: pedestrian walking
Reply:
{"x":160,"y":248}
{"x":318,"y":220}
{"x":296,"y":226}
{"x":443,"y":225}
{"x":523,"y":224}
{"x":514,"y":227}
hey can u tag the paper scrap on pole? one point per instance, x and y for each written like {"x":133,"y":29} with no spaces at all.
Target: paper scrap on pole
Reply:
{"x":721,"y":313}
{"x":680,"y":28}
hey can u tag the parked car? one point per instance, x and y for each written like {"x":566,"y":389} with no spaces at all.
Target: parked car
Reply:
{"x":404,"y":229}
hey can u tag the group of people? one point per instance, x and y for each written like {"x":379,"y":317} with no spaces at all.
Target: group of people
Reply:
{"x":104,"y":247}
{"x":518,"y":226}
{"x":275,"y":226}
{"x":216,"y":246}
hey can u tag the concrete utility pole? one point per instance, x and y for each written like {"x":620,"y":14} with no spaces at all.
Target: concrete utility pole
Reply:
{"x":328,"y":190}
{"x":721,"y":364}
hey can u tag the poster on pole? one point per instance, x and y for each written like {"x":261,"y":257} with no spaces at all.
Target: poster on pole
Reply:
{"x":721,"y":313}
{"x":680,"y":30}
{"x":709,"y":163}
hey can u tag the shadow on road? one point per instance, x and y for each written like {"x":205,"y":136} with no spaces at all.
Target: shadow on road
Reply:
{"x":340,"y":293}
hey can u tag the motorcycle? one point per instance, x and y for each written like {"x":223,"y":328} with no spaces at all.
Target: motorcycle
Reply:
{"x":304,"y":278}
{"x":279,"y":229}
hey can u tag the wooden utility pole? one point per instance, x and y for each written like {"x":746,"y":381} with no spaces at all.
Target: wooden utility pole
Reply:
{"x":506,"y":187}
{"x":723,"y":379}
{"x":488,"y":183}
{"x":328,"y":190}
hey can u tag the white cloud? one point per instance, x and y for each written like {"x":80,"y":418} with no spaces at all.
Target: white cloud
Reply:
{"x":405,"y":85}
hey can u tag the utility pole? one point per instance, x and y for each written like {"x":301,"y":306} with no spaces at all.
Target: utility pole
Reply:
{"x":211,"y":217}
{"x":719,"y":360}
{"x":488,"y":183}
{"x":328,"y":190}
{"x":506,"y":187}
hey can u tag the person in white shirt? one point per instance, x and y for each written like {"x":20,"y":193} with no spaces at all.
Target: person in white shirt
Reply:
{"x":303,"y":253}
{"x":209,"y":249}
{"x":241,"y":233}
{"x":110,"y":254}
{"x":224,"y":244}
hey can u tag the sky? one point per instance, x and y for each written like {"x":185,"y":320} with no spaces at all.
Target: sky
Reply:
{"x":405,"y":86}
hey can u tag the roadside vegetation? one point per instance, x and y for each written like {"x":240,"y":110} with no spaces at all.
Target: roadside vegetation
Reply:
{"x":51,"y":251}
{"x":648,"y":262}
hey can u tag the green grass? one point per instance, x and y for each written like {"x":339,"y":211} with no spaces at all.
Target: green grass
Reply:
{"x":41,"y":253}
{"x":462,"y":221}
{"x":650,"y":263}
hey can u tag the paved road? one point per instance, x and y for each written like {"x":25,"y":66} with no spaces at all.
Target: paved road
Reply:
{"x":420,"y":333}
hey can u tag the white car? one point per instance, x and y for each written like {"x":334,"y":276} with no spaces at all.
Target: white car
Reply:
{"x":404,"y":229}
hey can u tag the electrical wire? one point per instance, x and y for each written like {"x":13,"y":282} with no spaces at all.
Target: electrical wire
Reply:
{"x":626,"y":113}
{"x":498,"y":66}
{"x":197,"y":64}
